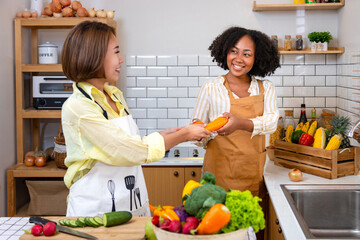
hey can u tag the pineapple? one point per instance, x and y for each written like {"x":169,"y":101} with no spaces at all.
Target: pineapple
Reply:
{"x":340,"y":125}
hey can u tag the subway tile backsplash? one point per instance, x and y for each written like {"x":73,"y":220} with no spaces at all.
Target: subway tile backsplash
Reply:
{"x":161,"y":91}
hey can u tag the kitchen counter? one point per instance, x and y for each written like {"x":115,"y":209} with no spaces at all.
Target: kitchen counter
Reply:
{"x":177,"y":161}
{"x":274,"y":177}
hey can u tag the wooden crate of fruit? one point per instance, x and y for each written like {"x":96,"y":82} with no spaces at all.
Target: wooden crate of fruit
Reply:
{"x":324,"y":163}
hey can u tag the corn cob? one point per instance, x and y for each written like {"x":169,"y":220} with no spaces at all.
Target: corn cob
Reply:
{"x":305,"y":128}
{"x":288,"y":133}
{"x":312,"y":128}
{"x":320,"y":138}
{"x":299,"y":126}
{"x":334,"y":142}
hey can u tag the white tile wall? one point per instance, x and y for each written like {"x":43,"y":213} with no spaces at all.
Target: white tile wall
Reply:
{"x":161,"y":91}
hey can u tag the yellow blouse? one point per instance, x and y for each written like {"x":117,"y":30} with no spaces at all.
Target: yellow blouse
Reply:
{"x":90,"y":137}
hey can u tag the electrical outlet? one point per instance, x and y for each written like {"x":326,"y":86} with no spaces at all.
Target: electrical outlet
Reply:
{"x":196,"y":152}
{"x":178,"y":151}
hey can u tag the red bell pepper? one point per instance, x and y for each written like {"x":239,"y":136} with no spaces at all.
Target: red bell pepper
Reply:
{"x":306,"y":139}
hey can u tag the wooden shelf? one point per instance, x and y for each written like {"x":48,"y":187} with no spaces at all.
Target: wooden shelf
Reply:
{"x":56,"y":23}
{"x":41,"y":113}
{"x":49,"y":170}
{"x":41,"y":68}
{"x":294,"y":7}
{"x":339,"y":50}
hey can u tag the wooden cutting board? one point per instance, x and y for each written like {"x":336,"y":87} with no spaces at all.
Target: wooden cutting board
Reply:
{"x":132,"y":230}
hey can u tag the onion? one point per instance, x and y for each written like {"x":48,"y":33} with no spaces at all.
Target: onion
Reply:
{"x":295,"y":175}
{"x":47,"y":10}
{"x":65,"y":3}
{"x":82,"y":12}
{"x":100,"y":13}
{"x":19,"y":14}
{"x":75,"y":5}
{"x":110,"y":14}
{"x":91,"y":12}
{"x":67,"y":12}
{"x":56,"y":7}
{"x":34,"y":14}
{"x":26,"y":14}
{"x":55,"y":1}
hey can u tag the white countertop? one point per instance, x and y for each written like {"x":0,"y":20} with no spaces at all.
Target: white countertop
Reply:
{"x":274,"y":176}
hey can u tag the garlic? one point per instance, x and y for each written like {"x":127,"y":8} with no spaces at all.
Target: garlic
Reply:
{"x":100,"y":13}
{"x":58,"y":15}
{"x":110,"y":14}
{"x":91,"y":12}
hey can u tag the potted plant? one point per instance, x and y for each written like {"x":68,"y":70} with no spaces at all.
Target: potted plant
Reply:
{"x":319,"y":40}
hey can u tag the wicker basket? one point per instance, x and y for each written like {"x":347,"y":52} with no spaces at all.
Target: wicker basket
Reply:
{"x":60,"y":156}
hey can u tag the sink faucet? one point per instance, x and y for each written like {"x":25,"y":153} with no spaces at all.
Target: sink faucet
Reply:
{"x":354,"y":142}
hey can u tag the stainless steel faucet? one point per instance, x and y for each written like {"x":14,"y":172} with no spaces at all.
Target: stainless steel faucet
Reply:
{"x":354,"y":142}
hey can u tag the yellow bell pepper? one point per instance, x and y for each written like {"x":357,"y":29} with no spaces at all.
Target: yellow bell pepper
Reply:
{"x":190,"y":185}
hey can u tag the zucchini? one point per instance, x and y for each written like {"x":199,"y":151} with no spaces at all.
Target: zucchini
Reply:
{"x":67,"y":222}
{"x":61,"y":222}
{"x":116,"y":218}
{"x":87,"y":222}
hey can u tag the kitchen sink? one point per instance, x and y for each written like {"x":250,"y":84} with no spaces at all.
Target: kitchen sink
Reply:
{"x":326,"y":211}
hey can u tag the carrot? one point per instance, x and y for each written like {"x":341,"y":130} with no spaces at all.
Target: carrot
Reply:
{"x":216,"y":124}
{"x":215,"y":219}
{"x":199,"y":122}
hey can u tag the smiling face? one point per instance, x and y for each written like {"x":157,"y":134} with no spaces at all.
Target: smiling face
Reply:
{"x":241,"y":57}
{"x":112,"y":61}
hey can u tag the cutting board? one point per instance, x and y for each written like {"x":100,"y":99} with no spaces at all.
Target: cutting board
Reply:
{"x":132,"y":230}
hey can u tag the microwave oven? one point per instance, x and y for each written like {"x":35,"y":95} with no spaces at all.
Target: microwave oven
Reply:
{"x":50,"y":92}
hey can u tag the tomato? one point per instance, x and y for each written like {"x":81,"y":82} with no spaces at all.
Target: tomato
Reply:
{"x":295,"y":175}
{"x":29,"y":160}
{"x":40,"y":161}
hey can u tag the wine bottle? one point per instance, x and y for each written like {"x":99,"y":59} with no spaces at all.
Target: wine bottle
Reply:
{"x":313,"y":116}
{"x":303,"y":114}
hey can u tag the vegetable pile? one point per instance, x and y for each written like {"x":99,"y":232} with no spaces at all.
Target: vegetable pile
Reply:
{"x":208,"y":209}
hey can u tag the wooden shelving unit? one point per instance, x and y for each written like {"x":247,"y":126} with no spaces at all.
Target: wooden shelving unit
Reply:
{"x":339,"y":50}
{"x":25,"y":113}
{"x":294,"y":7}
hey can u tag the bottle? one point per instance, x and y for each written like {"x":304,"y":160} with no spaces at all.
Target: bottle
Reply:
{"x":299,"y":42}
{"x":289,"y":120}
{"x":274,"y":39}
{"x":287,"y":43}
{"x":303,"y":114}
{"x":313,"y":116}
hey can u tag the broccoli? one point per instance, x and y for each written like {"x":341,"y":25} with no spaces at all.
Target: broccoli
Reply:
{"x":203,"y":198}
{"x":208,"y":177}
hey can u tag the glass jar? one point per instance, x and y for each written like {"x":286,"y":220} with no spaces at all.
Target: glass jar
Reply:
{"x":289,"y":120}
{"x":299,"y":42}
{"x":274,"y":39}
{"x":279,"y":132}
{"x":287,"y":43}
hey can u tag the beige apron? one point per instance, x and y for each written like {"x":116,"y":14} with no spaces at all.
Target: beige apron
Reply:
{"x":237,"y":160}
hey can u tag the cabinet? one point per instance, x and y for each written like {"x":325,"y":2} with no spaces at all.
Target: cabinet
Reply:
{"x":295,"y":7}
{"x":28,"y":118}
{"x":273,"y":228}
{"x":165,"y":184}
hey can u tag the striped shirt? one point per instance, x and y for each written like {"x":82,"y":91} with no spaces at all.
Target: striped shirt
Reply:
{"x":213,"y":100}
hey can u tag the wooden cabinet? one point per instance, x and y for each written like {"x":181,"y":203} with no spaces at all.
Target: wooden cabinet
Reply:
{"x":273,"y":228}
{"x":165,"y":184}
{"x":28,"y":118}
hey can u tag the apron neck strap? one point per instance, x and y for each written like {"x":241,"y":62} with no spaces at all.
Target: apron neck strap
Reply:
{"x":261,"y":87}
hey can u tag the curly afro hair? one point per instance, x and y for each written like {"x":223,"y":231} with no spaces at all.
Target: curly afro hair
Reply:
{"x":267,"y":58}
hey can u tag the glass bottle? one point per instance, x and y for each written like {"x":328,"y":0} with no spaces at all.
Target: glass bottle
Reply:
{"x":274,"y":39}
{"x":287,"y":43}
{"x":313,"y":116}
{"x":289,"y":120}
{"x":299,"y":42}
{"x":303,"y":114}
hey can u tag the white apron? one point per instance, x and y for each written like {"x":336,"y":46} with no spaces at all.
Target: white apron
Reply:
{"x":90,"y":195}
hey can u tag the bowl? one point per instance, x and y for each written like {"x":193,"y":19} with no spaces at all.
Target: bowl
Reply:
{"x":161,"y":234}
{"x":271,"y":153}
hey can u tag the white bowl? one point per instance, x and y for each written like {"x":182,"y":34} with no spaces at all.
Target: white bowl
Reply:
{"x":240,"y":234}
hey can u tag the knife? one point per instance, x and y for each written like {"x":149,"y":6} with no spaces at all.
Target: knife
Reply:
{"x":40,"y":220}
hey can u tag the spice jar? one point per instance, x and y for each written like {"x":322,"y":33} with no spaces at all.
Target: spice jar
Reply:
{"x":299,"y":42}
{"x":274,"y":39}
{"x":287,"y":43}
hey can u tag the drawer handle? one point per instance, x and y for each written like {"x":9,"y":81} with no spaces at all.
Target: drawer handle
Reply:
{"x":193,"y":173}
{"x":176,"y":173}
{"x":277,"y":221}
{"x":280,"y":230}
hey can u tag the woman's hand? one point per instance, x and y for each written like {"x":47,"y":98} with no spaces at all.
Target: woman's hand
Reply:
{"x":195,"y":132}
{"x":170,"y":130}
{"x":234,"y":124}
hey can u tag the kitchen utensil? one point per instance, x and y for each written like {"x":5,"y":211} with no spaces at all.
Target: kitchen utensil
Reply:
{"x":130,"y":183}
{"x":40,"y":220}
{"x":111,"y":187}
{"x":135,"y":201}
{"x":137,"y":191}
{"x":48,"y":53}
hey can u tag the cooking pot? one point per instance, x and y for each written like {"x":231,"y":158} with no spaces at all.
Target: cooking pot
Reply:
{"x":48,"y":53}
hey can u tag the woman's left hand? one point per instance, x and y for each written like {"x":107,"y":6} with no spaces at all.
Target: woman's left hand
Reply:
{"x":230,"y":126}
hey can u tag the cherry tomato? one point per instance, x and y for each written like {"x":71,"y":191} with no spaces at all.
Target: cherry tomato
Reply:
{"x":295,"y":175}
{"x":29,"y":160}
{"x":40,"y":161}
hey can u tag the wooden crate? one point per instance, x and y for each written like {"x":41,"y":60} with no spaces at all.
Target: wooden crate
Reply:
{"x":324,"y":163}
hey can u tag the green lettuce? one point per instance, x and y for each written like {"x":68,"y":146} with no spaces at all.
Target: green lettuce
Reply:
{"x":245,"y":211}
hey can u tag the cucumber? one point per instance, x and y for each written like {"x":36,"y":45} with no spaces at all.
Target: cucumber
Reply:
{"x":98,"y":220}
{"x":61,"y":222}
{"x":116,"y":218}
{"x":88,"y":222}
{"x":94,"y":223}
{"x":66,"y":222}
{"x":79,"y":223}
{"x":72,"y":223}
{"x":81,"y":220}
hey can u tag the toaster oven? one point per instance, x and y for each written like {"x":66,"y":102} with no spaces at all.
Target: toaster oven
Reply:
{"x":50,"y":92}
